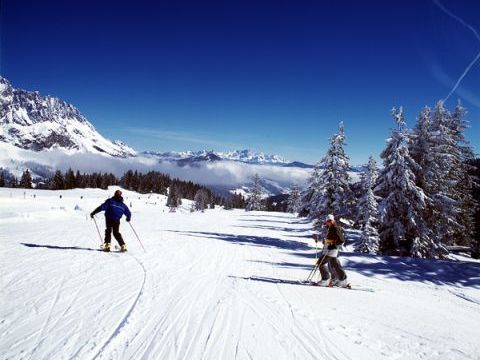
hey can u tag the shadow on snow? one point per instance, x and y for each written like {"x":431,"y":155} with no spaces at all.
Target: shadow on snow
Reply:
{"x":55,"y":247}
{"x":275,"y":228}
{"x":263,"y":241}
{"x":438,"y":272}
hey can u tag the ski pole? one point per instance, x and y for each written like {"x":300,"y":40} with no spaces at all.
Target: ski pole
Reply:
{"x":98,"y":230}
{"x":314,"y":270}
{"x":137,"y":236}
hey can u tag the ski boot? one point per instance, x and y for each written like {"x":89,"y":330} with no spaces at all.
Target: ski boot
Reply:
{"x":323,"y":282}
{"x":340,"y":283}
{"x":106,"y":247}
{"x":123,"y":248}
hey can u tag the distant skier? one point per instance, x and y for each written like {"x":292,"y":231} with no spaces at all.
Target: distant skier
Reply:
{"x":114,"y":209}
{"x":329,"y":256}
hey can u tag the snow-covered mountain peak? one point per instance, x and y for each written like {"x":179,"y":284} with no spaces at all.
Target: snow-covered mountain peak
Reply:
{"x":245,"y":156}
{"x":31,"y":121}
{"x":250,"y":156}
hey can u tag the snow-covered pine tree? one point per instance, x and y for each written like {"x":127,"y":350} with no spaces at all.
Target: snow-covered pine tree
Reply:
{"x":463,"y":191}
{"x":442,"y":162}
{"x":369,"y":239}
{"x":427,"y":147}
{"x":201,"y":200}
{"x":255,"y":200}
{"x":420,"y":146}
{"x":403,"y":230}
{"x":367,"y":210}
{"x":173,"y":200}
{"x":311,"y":192}
{"x":368,"y":179}
{"x":294,"y":200}
{"x":334,"y":195}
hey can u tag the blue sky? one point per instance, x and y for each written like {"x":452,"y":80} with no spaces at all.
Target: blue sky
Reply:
{"x":274,"y":76}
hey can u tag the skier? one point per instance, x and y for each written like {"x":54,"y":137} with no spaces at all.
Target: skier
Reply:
{"x":329,"y":256}
{"x":114,"y":209}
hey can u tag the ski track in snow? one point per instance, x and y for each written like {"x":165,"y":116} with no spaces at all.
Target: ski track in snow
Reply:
{"x":41,"y":338}
{"x":213,"y":285}
{"x":124,"y":320}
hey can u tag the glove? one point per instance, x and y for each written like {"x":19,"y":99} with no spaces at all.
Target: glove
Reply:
{"x":92,"y":215}
{"x":128,"y":220}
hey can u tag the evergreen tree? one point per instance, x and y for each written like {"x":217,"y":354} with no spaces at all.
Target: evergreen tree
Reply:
{"x":444,"y":155}
{"x":79,"y":180}
{"x":368,"y":180}
{"x":445,"y":159}
{"x":429,"y":149}
{"x":254,"y":202}
{"x":238,"y":201}
{"x":312,"y":191}
{"x":2,"y":179}
{"x":201,"y":200}
{"x":367,"y":211}
{"x":333,"y":194}
{"x":173,"y":200}
{"x":126,"y":180}
{"x":26,"y":180}
{"x":58,"y":182}
{"x":70,"y":181}
{"x":421,"y":147}
{"x":464,"y":231}
{"x":228,"y":204}
{"x":475,"y":244}
{"x":403,"y":230}
{"x":13,"y":182}
{"x":294,"y":200}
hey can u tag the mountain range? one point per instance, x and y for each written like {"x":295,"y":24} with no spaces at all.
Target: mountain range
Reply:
{"x":45,"y":133}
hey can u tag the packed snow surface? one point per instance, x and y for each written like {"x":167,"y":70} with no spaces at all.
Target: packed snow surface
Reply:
{"x":213,"y":285}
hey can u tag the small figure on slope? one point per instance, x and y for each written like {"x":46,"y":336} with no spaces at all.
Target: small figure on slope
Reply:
{"x":114,"y":209}
{"x":329,"y":256}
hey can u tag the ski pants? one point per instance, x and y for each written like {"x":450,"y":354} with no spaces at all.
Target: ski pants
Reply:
{"x":330,"y":267}
{"x":115,"y":226}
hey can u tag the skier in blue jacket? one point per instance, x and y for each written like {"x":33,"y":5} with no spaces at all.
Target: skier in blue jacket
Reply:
{"x":114,"y":209}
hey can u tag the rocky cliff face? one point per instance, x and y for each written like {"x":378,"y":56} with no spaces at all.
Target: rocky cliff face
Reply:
{"x":34,"y":122}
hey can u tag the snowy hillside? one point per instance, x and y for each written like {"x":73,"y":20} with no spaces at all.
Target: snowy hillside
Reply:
{"x":214,"y":285}
{"x":34,"y":122}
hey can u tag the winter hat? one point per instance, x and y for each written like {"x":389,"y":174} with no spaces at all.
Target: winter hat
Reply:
{"x":117,"y":193}
{"x":330,"y":217}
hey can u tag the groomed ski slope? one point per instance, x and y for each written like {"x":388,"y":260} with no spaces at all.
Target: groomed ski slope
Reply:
{"x":213,"y":285}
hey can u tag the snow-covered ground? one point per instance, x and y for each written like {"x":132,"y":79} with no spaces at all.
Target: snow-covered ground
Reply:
{"x":214,"y":285}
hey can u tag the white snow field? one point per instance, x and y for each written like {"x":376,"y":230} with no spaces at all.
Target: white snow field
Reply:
{"x":214,"y":285}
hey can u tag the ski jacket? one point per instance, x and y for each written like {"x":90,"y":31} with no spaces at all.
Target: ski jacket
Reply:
{"x":114,"y":209}
{"x":333,"y":241}
{"x":335,"y":235}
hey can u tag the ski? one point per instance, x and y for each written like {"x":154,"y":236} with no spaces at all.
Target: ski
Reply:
{"x":111,"y":251}
{"x":305,"y":283}
{"x":348,"y":287}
